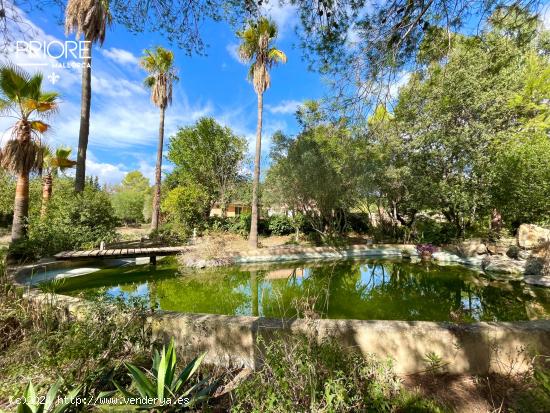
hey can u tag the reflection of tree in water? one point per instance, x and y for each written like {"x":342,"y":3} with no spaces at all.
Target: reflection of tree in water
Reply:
{"x":398,"y":291}
{"x":216,"y":291}
{"x":374,"y":290}
{"x":130,"y":288}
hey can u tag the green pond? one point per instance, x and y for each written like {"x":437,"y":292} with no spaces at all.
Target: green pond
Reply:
{"x":366,"y":290}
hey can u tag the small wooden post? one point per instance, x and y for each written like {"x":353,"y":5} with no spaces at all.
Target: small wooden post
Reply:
{"x":153,"y":260}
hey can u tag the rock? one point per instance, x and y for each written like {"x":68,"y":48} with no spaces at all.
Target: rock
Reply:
{"x":448,"y":258}
{"x":471,"y":248}
{"x":444,"y":256}
{"x":482,"y":249}
{"x":540,"y":281}
{"x":530,"y":236}
{"x":524,"y":254}
{"x":504,"y":265}
{"x":495,"y":249}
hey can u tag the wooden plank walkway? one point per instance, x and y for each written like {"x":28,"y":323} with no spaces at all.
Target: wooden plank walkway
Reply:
{"x":120,"y":253}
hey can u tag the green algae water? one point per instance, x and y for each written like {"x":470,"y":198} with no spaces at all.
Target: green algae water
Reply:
{"x":364,"y":290}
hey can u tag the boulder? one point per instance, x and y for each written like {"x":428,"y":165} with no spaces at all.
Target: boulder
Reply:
{"x":524,"y":254}
{"x":471,"y":248}
{"x":517,"y":253}
{"x":448,"y":258}
{"x":530,"y":236}
{"x":498,"y":249}
{"x":504,"y":265}
{"x":538,"y":280}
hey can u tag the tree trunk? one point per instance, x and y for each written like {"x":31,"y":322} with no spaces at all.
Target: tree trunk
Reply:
{"x":253,"y":237}
{"x":158,"y":174}
{"x":84,"y":132}
{"x":46,"y":193}
{"x":20,"y":207}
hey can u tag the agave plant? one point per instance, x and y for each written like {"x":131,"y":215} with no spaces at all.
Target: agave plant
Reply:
{"x":162,"y":388}
{"x":51,"y":403}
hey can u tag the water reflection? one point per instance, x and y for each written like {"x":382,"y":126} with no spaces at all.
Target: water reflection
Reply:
{"x":356,"y":290}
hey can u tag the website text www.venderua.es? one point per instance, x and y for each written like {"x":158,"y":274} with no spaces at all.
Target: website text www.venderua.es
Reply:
{"x":109,"y":400}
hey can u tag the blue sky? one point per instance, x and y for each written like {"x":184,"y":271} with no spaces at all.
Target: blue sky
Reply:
{"x":124,"y":124}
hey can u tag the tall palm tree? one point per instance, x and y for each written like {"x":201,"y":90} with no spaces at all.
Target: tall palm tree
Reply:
{"x":89,"y":18}
{"x":256,"y":48}
{"x":22,"y":98}
{"x":159,"y":63}
{"x":52,"y":164}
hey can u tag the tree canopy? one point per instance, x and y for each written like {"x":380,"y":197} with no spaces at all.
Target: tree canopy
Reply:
{"x":132,"y":197}
{"x":210,"y":156}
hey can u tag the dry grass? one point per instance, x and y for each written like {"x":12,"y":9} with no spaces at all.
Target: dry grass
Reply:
{"x":469,"y":394}
{"x":134,"y":233}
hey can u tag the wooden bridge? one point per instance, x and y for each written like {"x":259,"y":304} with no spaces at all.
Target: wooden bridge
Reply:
{"x":114,"y":253}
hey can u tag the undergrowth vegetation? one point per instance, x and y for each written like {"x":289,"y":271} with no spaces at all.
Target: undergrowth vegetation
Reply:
{"x":301,"y":375}
{"x":73,"y":221}
{"x":42,"y":345}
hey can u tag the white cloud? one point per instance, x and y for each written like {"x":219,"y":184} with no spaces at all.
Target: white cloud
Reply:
{"x":120,"y":56}
{"x":232,"y":49}
{"x":284,"y":107}
{"x":132,"y":122}
{"x":545,"y":16}
{"x":106,"y":172}
{"x":401,"y":80}
{"x":116,"y":87}
{"x":285,"y":15}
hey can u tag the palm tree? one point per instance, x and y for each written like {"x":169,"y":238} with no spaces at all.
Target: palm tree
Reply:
{"x":91,"y":19}
{"x":256,"y":48}
{"x":22,"y":98}
{"x":52,"y":164}
{"x":159,"y":63}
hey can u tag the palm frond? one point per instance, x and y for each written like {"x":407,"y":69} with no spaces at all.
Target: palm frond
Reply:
{"x":89,"y":18}
{"x":5,"y":105}
{"x":255,"y":47}
{"x":21,"y":156}
{"x":149,"y":81}
{"x":276,"y":55}
{"x":39,"y":126}
{"x":159,"y":63}
{"x":12,"y":80}
{"x":32,"y":89}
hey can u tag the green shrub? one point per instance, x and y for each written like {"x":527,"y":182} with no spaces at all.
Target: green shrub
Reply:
{"x":299,"y":375}
{"x":280,"y":225}
{"x":186,"y":207}
{"x":430,"y":231}
{"x":168,"y":234}
{"x":73,"y":221}
{"x":217,"y":224}
{"x":240,"y":224}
